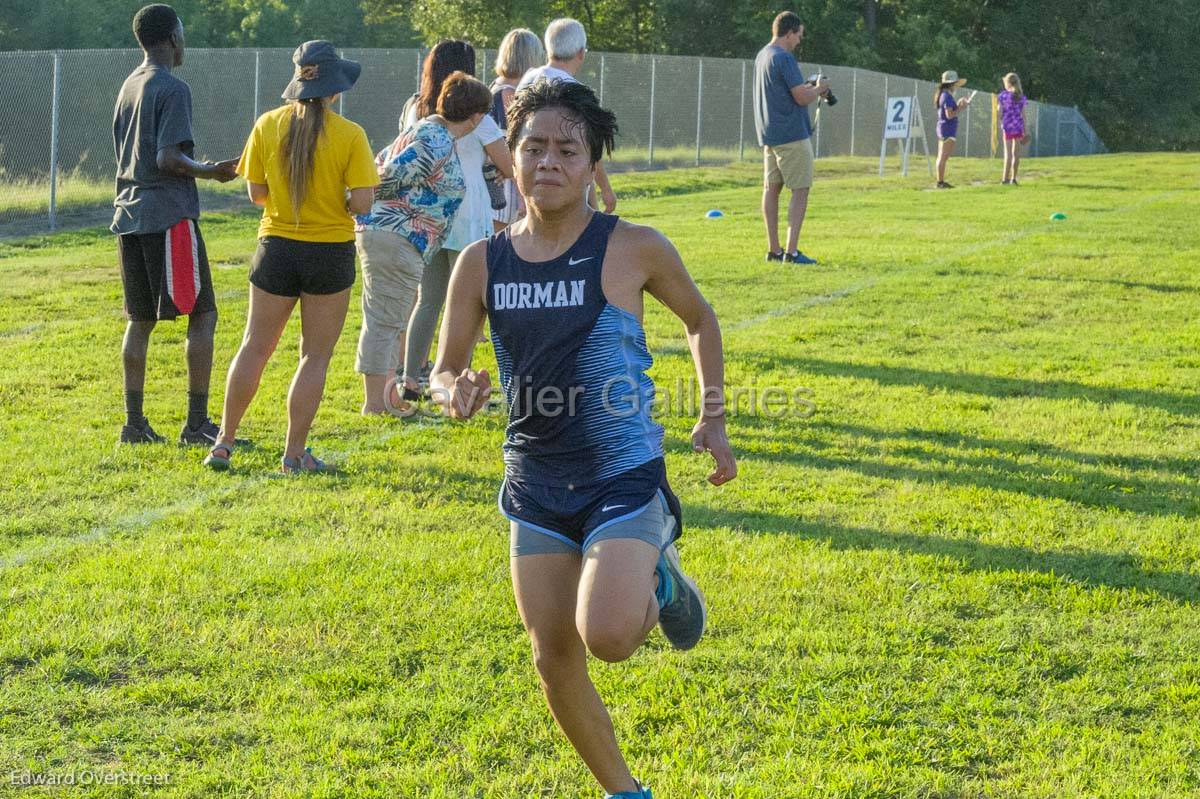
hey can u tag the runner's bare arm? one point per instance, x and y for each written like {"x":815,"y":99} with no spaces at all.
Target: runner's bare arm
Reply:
{"x":460,"y":390}
{"x":668,"y":281}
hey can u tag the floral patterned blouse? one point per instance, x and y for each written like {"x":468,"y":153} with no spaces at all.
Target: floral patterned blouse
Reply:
{"x":421,"y":187}
{"x":1011,"y":106}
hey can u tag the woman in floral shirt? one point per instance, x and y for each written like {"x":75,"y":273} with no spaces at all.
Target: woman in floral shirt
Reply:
{"x":421,"y":190}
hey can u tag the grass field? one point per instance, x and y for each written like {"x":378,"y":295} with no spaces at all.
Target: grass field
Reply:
{"x":973,"y":572}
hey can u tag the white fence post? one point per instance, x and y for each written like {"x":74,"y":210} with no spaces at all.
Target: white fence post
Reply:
{"x":816,"y":122}
{"x":653,"y":79}
{"x":257,"y":74}
{"x":853,"y":105}
{"x":699,"y":106}
{"x":54,"y":103}
{"x":601,"y":98}
{"x":1037,"y":114}
{"x":967,"y":133}
{"x":742,"y":118}
{"x":341,"y":95}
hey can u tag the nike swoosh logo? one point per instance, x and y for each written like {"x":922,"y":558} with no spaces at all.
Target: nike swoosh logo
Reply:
{"x":607,"y":508}
{"x":573,"y":261}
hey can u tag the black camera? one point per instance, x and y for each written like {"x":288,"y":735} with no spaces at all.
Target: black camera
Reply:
{"x":829,"y":98}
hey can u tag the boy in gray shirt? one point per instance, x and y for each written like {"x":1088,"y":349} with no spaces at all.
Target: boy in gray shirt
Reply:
{"x":164,"y":267}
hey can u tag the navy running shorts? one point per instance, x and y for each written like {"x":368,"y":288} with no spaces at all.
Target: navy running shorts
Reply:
{"x":638,"y":504}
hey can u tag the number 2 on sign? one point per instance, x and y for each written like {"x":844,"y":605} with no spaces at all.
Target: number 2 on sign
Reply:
{"x":899,"y":108}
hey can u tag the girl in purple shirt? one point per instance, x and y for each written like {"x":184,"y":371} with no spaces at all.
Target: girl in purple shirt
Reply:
{"x":1012,"y":120}
{"x":947,"y":116}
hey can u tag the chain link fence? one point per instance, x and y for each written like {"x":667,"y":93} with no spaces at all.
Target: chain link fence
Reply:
{"x":56,"y":108}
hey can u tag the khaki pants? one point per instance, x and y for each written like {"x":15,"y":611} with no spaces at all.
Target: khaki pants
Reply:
{"x":790,"y":164}
{"x":391,"y":268}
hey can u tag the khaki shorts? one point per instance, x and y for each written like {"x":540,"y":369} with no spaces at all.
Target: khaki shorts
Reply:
{"x":790,"y":164}
{"x":392,"y":270}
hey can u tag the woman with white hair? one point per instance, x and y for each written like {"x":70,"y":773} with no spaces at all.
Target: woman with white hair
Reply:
{"x":520,"y":51}
{"x":566,"y":44}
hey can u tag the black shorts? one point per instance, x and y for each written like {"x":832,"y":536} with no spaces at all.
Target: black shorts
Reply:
{"x":165,"y":274}
{"x":290,"y":267}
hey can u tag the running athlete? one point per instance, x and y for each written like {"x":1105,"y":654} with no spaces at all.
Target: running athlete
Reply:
{"x":592,"y":518}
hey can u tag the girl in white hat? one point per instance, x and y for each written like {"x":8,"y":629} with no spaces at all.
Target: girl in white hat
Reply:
{"x":947,"y":126}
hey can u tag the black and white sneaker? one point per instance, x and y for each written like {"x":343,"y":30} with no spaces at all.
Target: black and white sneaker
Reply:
{"x":776,"y":256}
{"x":206,"y":435}
{"x":140,"y":433}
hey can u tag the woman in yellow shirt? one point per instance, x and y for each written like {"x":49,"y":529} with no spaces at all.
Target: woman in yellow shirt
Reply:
{"x":298,"y":163}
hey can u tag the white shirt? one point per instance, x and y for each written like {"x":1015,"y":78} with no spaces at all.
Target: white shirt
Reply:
{"x":548,"y":72}
{"x":474,"y":218}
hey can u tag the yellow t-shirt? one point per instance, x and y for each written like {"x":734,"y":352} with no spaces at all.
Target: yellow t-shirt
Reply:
{"x":343,"y":161}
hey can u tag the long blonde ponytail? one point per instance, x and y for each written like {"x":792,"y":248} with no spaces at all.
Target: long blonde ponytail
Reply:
{"x":300,"y":147}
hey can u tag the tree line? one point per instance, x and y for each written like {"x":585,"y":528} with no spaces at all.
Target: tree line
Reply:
{"x":1130,"y":66}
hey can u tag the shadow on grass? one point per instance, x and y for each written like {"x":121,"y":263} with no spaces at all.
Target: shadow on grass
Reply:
{"x":989,"y":385}
{"x":1161,"y":288}
{"x":1020,"y":467}
{"x":1090,"y":569}
{"x":1188,"y":467}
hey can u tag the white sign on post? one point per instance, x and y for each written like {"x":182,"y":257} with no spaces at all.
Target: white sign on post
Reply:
{"x":899,"y":116}
{"x":902,"y":122}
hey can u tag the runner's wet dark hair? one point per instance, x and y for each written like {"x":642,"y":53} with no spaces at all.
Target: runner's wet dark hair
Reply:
{"x":580,"y":106}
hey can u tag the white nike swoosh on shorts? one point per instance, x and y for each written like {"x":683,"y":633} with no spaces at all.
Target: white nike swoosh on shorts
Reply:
{"x":607,"y":508}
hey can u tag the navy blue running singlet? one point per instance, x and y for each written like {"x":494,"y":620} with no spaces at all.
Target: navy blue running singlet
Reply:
{"x":572,"y":366}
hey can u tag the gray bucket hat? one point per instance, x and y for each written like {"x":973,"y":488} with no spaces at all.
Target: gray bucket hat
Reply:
{"x":320,"y":72}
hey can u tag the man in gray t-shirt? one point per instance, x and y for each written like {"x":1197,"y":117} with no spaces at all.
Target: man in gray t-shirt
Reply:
{"x":153,"y":113}
{"x":781,"y":100}
{"x":164,"y":267}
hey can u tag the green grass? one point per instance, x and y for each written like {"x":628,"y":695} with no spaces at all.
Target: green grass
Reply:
{"x":80,"y":200}
{"x":83,"y":200}
{"x":974,"y":572}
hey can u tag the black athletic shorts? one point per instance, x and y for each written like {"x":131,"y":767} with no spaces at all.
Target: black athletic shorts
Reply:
{"x":289,"y":267}
{"x":165,"y":274}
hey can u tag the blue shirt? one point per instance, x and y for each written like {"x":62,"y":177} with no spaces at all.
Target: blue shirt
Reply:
{"x":777,"y":117}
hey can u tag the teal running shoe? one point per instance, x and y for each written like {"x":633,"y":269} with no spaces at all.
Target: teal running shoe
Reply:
{"x":681,"y":610}
{"x":642,"y":793}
